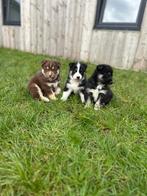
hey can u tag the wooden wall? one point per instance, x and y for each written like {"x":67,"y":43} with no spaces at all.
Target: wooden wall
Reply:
{"x":65,"y":28}
{"x":0,"y":25}
{"x":140,"y":60}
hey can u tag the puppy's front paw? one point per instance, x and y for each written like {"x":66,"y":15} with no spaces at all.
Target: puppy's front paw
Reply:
{"x":45,"y":99}
{"x":96,"y":107}
{"x":58,"y":91}
{"x":83,"y":100}
{"x":87,"y":106}
{"x":52,"y":97}
{"x":63,"y":98}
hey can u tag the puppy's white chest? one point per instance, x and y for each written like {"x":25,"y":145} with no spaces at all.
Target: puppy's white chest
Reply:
{"x":53,"y":84}
{"x":96,"y":92}
{"x":73,"y":85}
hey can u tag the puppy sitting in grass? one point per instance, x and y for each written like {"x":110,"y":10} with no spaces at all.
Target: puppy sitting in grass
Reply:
{"x":44,"y":85}
{"x":76,"y":81}
{"x":98,"y":87}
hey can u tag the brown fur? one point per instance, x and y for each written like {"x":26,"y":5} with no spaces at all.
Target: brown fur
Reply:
{"x":45,"y":84}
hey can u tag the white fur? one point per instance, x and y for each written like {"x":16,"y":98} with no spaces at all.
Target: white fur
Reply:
{"x":45,"y":99}
{"x":97,"y":91}
{"x":77,"y":74}
{"x":54,"y":84}
{"x":88,"y":103}
{"x":100,"y":76}
{"x":43,"y":72}
{"x":73,"y":85}
{"x":82,"y":97}
{"x":66,"y":94}
{"x":58,"y":91}
{"x":97,"y":105}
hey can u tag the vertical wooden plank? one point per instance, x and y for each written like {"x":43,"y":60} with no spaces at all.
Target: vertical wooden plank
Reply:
{"x":39,"y":26}
{"x":33,"y":28}
{"x":89,"y":18}
{"x":67,"y":14}
{"x":62,"y":5}
{"x":48,"y":41}
{"x":76,"y":34}
{"x":70,"y":28}
{"x":81,"y":27}
{"x":9,"y":36}
{"x":17,"y":38}
{"x":45,"y":26}
{"x":22,"y":29}
{"x":140,"y":60}
{"x":4,"y":37}
{"x":12,"y":36}
{"x":26,"y":25}
{"x":1,"y":37}
{"x":54,"y":27}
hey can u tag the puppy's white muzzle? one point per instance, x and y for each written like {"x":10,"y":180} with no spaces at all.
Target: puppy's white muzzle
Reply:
{"x":77,"y":76}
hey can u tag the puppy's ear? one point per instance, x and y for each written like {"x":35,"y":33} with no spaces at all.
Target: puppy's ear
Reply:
{"x":58,"y":64}
{"x":71,"y":64}
{"x":43,"y":63}
{"x":84,"y":65}
{"x":99,"y":67}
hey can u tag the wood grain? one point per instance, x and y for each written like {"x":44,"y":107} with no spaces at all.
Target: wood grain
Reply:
{"x":65,"y":28}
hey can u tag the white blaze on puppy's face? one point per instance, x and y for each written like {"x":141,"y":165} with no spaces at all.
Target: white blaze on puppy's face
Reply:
{"x":77,"y":75}
{"x":100,"y":76}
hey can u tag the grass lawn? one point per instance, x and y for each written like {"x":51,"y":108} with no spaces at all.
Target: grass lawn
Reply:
{"x":61,"y":148}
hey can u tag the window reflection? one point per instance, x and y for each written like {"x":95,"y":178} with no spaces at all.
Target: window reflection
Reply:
{"x":11,"y":10}
{"x":121,"y":11}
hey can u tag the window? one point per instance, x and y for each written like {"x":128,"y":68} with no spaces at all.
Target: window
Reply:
{"x":119,"y":14}
{"x":11,"y":12}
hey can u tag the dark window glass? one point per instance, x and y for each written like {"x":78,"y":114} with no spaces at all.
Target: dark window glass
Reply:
{"x":11,"y":12}
{"x":120,"y":14}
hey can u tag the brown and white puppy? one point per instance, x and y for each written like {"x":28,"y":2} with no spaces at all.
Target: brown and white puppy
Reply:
{"x":45,"y":84}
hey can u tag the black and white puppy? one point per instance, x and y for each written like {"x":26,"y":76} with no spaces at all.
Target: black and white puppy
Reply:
{"x":76,"y":81}
{"x":97,"y":87}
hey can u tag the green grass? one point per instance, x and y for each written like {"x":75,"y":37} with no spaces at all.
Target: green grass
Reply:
{"x":61,"y":148}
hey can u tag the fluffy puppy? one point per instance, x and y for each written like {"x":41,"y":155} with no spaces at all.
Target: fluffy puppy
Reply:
{"x":45,"y":84}
{"x":97,"y":87}
{"x":76,"y":81}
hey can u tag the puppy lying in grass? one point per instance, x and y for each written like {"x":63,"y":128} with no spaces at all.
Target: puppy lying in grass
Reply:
{"x":44,"y":85}
{"x":97,"y":88}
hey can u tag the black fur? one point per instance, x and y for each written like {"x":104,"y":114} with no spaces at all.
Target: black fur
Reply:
{"x":98,"y":86}
{"x":76,"y":81}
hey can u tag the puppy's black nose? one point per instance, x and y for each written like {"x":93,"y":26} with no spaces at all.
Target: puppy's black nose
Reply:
{"x":78,"y":77}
